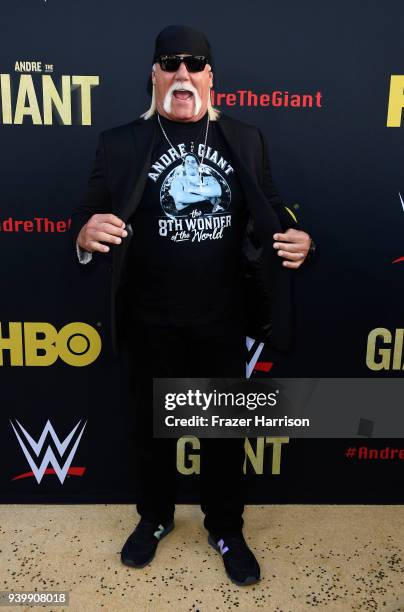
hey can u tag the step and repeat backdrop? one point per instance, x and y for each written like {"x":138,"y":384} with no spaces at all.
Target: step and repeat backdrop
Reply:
{"x":325,"y":84}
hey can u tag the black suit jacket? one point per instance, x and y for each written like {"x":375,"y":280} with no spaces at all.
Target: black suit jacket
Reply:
{"x":116,"y":185}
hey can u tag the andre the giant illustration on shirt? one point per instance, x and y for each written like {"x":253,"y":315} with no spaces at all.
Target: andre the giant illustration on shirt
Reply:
{"x":195,"y":198}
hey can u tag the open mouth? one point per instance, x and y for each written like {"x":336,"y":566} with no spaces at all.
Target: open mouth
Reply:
{"x":182,"y":94}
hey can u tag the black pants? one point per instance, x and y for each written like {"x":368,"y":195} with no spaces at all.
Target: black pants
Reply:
{"x":214,"y":350}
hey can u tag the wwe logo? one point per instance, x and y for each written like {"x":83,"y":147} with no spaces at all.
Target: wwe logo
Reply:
{"x":399,"y":259}
{"x":256,"y":352}
{"x":49,"y":457}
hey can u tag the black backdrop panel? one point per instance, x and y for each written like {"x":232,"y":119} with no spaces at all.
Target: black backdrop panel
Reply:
{"x":336,"y":164}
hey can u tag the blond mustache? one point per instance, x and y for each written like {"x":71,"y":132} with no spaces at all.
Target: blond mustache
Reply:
{"x":169,"y":97}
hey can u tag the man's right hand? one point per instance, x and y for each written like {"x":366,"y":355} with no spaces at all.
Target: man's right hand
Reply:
{"x":101,"y":228}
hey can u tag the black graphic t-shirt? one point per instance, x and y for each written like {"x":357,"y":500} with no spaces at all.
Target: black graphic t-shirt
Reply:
{"x":188,"y":230}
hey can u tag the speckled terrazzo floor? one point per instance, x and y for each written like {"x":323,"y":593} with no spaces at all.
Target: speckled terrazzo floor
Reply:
{"x":333,"y":558}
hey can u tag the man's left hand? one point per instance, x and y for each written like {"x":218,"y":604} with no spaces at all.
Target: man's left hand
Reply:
{"x":293,"y":246}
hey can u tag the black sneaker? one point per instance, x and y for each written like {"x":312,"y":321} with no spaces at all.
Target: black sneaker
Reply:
{"x":240,"y":564}
{"x":140,"y":547}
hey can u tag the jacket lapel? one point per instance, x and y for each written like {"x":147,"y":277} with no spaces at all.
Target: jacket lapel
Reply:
{"x":266,"y":219}
{"x":144,"y":139}
{"x":273,"y":277}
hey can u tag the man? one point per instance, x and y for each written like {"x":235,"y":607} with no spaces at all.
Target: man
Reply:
{"x":189,"y":282}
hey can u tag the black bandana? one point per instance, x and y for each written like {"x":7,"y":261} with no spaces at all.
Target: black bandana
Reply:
{"x":176,"y":39}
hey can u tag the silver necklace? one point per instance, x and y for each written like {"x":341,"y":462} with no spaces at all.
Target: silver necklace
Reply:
{"x":200,"y":169}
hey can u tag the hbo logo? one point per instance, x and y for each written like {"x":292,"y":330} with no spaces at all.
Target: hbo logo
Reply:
{"x":40,"y":344}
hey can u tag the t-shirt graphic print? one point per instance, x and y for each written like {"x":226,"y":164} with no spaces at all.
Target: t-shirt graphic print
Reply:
{"x":195,"y":197}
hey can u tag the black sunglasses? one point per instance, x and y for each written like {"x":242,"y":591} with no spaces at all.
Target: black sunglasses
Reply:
{"x":171,"y":63}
